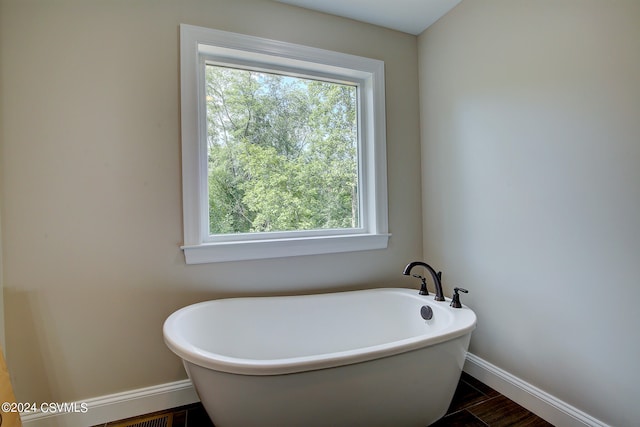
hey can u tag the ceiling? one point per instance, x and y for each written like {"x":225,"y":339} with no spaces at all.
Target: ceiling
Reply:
{"x":409,"y":16}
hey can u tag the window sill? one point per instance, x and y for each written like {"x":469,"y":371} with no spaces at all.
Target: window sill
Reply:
{"x":278,"y":248}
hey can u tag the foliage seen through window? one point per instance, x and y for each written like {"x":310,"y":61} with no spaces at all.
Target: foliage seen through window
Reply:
{"x":282,"y":152}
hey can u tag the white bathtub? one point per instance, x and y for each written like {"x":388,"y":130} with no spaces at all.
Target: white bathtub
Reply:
{"x":360,"y":358}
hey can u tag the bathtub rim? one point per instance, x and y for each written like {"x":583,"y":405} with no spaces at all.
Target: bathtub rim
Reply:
{"x":245,"y":366}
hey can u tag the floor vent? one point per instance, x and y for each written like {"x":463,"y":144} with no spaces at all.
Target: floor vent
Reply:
{"x":164,"y":420}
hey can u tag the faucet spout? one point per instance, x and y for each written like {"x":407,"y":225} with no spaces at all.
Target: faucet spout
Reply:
{"x":437,"y":277}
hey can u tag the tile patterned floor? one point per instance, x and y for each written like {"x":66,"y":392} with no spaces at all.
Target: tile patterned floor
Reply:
{"x":474,"y":405}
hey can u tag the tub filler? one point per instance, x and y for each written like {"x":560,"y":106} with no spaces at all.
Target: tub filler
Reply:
{"x":357,"y":358}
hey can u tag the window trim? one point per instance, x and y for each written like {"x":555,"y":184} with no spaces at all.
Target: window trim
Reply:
{"x":198,"y":44}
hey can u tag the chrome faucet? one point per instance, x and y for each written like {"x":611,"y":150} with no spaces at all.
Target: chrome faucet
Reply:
{"x":437,"y":279}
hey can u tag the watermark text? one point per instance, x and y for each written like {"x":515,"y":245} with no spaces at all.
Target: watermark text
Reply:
{"x":45,"y":407}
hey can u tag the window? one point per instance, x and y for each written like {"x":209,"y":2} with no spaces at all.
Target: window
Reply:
{"x":283,"y":149}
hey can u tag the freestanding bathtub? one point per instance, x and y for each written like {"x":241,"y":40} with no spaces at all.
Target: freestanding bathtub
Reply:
{"x":357,"y":358}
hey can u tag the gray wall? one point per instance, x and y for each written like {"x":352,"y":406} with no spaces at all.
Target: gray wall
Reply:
{"x":530,"y":118}
{"x":91,"y":185}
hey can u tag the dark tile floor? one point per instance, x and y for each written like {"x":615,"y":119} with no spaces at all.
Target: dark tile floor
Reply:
{"x":474,"y":404}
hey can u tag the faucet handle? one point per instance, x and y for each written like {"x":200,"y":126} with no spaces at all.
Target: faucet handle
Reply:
{"x":455,"y":300}
{"x":423,"y":286}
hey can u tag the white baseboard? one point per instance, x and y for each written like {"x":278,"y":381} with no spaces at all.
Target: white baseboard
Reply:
{"x":541,"y":403}
{"x":117,"y":406}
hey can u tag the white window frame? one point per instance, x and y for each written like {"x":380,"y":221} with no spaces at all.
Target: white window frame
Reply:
{"x":197,"y":45}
